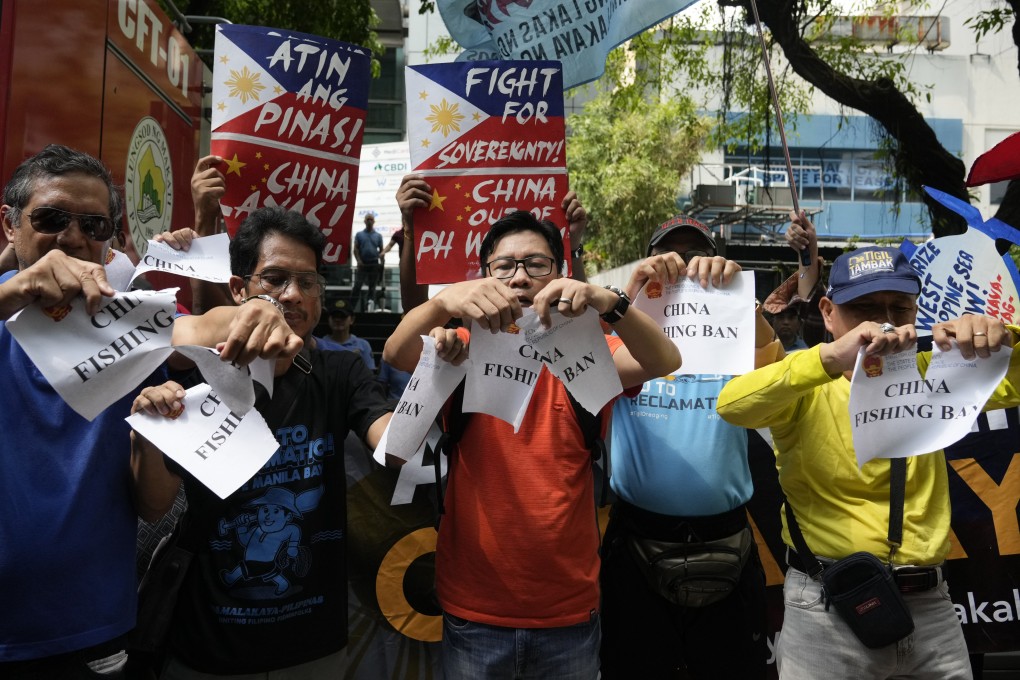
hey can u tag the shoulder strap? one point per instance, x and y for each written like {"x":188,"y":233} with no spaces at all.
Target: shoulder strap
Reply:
{"x":897,"y":494}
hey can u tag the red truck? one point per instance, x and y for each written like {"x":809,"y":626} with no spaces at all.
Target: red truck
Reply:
{"x":113,"y":78}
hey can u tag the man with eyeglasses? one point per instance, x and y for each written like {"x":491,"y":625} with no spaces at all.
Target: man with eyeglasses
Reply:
{"x":267,"y":589}
{"x":517,"y":554}
{"x":71,"y":489}
{"x":681,"y":476}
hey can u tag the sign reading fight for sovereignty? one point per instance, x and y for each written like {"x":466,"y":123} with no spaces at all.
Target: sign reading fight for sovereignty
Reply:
{"x":580,"y":33}
{"x":287,"y":118}
{"x":489,"y":137}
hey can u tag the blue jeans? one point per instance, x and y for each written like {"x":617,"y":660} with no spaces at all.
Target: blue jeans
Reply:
{"x":815,"y":643}
{"x":476,"y":651}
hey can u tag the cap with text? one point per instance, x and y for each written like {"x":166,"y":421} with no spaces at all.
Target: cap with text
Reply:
{"x":871,"y":270}
{"x":340,"y":308}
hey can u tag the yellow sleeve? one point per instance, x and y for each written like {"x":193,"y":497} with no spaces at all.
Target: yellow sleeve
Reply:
{"x":771,"y":395}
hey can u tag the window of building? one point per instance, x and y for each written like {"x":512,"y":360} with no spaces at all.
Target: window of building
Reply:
{"x":385,"y":119}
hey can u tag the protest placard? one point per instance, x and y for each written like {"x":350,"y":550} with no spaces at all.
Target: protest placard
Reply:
{"x":964,"y":273}
{"x":92,"y":361}
{"x":288,"y":118}
{"x":580,"y":33}
{"x":489,"y":138}
{"x":895,"y":412}
{"x":713,"y":328}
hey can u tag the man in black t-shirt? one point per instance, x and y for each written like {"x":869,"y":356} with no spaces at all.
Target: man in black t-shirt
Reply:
{"x":267,"y":588}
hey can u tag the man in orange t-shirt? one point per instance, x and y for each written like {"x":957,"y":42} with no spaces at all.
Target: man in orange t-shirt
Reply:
{"x":517,"y":558}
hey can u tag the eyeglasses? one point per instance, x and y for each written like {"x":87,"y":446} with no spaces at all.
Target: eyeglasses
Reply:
{"x":534,"y":266}
{"x":47,"y":220}
{"x":276,"y":281}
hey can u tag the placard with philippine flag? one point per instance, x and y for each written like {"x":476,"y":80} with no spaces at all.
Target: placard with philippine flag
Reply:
{"x":489,"y":138}
{"x":288,"y":114}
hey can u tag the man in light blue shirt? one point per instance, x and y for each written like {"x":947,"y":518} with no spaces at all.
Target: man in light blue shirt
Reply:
{"x":682,"y":477}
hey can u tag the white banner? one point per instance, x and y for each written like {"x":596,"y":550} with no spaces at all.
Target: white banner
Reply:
{"x":575,"y":350}
{"x":92,"y":361}
{"x":221,"y":448}
{"x":713,"y":328}
{"x":579,"y":33}
{"x":208,"y":258}
{"x":896,"y":413}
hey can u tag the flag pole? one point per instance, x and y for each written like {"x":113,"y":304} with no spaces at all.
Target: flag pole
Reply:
{"x":805,"y":256}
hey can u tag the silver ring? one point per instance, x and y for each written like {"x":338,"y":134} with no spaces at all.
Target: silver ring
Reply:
{"x":887,"y":328}
{"x":565,"y":301}
{"x":977,"y":333}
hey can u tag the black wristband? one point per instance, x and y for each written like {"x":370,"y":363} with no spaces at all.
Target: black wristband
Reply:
{"x":622,"y":305}
{"x":577,"y":252}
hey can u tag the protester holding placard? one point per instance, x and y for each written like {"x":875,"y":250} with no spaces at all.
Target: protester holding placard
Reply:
{"x":682,"y":480}
{"x":842,"y":509}
{"x":518,"y":545}
{"x":68,"y":498}
{"x":267,"y":589}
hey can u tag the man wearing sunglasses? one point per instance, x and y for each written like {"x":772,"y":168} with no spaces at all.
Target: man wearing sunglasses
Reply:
{"x":517,"y":555}
{"x":70,"y":489}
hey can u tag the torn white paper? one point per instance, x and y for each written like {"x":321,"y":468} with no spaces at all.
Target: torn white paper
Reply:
{"x":221,"y":448}
{"x":895,"y":413}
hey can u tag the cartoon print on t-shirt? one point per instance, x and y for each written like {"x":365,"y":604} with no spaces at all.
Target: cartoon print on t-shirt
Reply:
{"x":271,"y":537}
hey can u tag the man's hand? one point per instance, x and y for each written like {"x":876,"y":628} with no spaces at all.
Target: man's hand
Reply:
{"x":178,"y":240}
{"x":414,"y":192}
{"x":259,"y":330}
{"x":975,"y":334}
{"x":840,"y":356}
{"x":55,"y":279}
{"x":488,"y":302}
{"x":717,"y":269}
{"x":577,"y":218}
{"x":449,"y":346}
{"x":208,"y":185}
{"x":668,"y":267}
{"x":165,"y":400}
{"x":571,"y":298}
{"x":801,"y":232}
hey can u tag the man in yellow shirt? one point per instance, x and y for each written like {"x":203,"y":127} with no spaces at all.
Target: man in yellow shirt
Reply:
{"x":841,"y":509}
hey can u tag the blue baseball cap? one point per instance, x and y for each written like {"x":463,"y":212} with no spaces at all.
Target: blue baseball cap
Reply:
{"x":871,"y":270}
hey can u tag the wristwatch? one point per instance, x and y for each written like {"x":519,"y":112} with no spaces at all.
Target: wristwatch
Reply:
{"x":577,"y":252}
{"x":267,"y":298}
{"x":622,"y":305}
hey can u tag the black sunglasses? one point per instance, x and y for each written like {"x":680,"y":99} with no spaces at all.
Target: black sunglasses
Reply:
{"x":47,"y":220}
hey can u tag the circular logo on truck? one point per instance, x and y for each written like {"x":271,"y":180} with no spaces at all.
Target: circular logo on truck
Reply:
{"x":148,"y":184}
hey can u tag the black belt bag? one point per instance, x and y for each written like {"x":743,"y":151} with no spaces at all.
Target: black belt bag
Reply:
{"x":860,"y":586}
{"x":693,"y":574}
{"x":866,"y":596}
